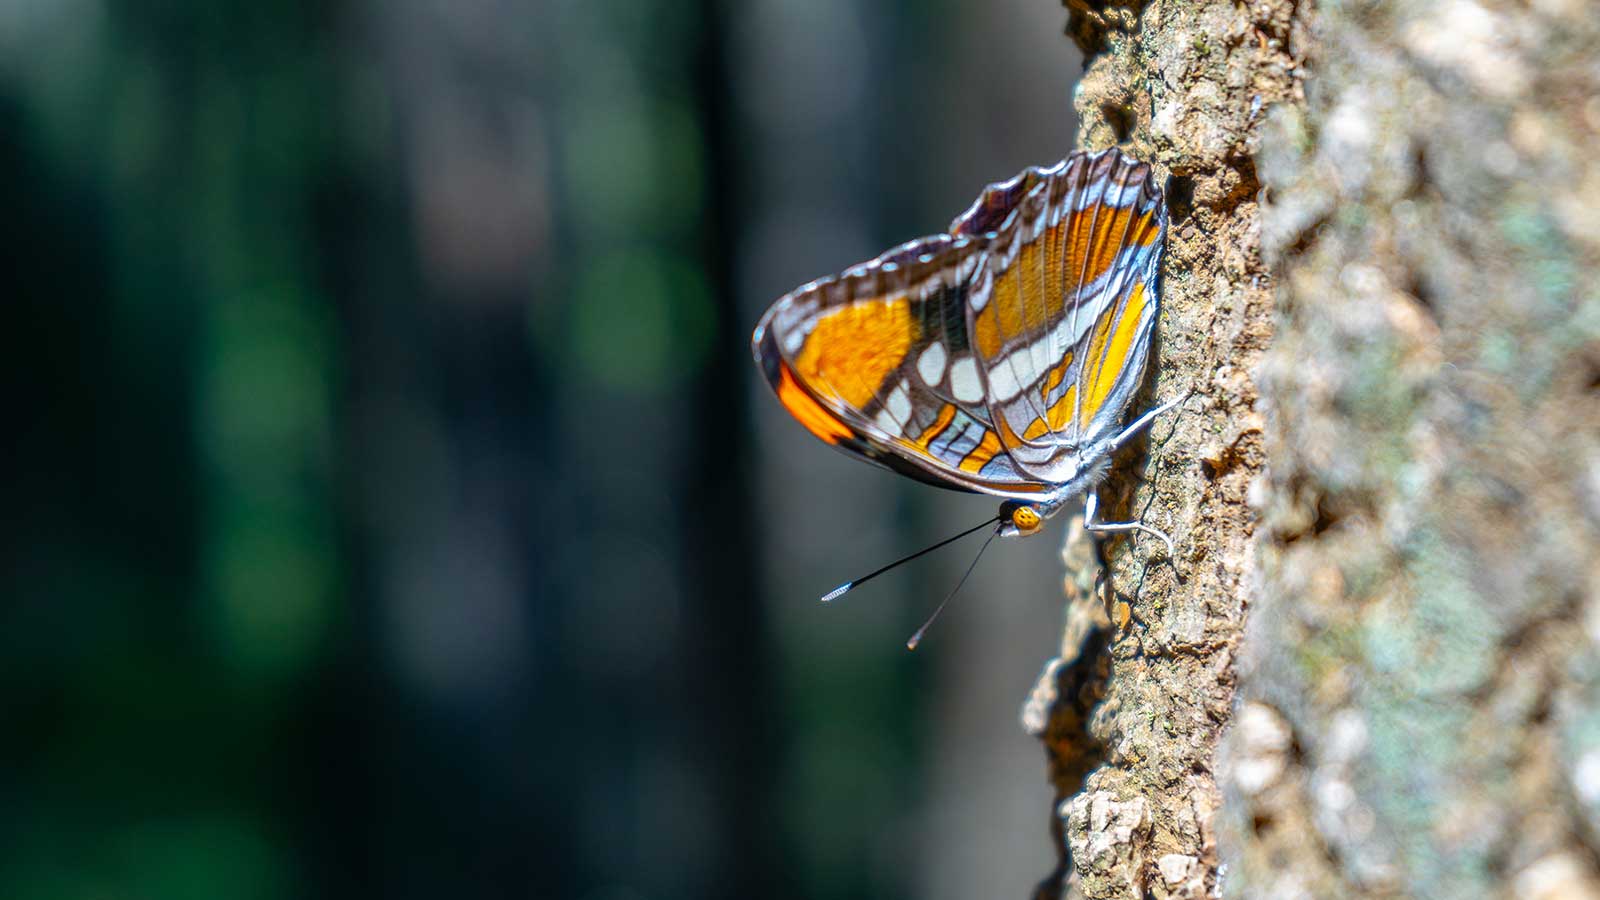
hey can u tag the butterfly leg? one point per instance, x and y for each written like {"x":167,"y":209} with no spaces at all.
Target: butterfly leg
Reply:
{"x":1143,"y":422}
{"x":1091,"y":505}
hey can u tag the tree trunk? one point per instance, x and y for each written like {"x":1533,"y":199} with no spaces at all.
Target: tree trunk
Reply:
{"x":1184,"y":85}
{"x":1391,"y":459}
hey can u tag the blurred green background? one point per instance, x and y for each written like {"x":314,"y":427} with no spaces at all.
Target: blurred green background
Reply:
{"x":394,"y":509}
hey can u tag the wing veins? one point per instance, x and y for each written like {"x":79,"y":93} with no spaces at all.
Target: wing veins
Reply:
{"x":997,"y":408}
{"x":1121,"y":301}
{"x":1077,"y":301}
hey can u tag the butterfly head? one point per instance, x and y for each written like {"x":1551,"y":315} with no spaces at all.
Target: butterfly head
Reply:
{"x":1019,"y":519}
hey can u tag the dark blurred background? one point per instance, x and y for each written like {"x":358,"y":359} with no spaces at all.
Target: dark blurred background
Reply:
{"x":393,"y":507}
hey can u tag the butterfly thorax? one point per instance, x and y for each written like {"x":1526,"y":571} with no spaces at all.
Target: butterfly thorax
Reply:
{"x":1026,"y":518}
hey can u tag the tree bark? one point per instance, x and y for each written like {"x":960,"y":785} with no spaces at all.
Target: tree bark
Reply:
{"x":1391,"y":459}
{"x":1186,"y":86}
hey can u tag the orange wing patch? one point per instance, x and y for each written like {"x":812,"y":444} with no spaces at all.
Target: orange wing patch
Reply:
{"x":1016,"y":304}
{"x":807,"y":411}
{"x":981,"y":454}
{"x":1059,"y":413}
{"x":1093,"y":251}
{"x":851,"y":350}
{"x":947,"y":414}
{"x":1108,"y":351}
{"x":1053,"y":379}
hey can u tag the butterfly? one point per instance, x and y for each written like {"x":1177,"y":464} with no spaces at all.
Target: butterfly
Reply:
{"x":998,"y":358}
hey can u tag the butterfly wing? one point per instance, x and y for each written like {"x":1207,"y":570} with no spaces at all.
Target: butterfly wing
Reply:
{"x":1060,"y":317}
{"x":877,"y":362}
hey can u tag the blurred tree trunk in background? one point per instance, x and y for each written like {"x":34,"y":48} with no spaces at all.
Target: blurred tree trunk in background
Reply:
{"x":1419,"y":673}
{"x":1391,"y":458}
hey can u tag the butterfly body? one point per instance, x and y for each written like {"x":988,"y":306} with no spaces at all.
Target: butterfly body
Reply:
{"x":997,"y":358}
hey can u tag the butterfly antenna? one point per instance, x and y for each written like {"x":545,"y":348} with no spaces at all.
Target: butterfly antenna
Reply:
{"x":917,"y":638}
{"x":845,"y":588}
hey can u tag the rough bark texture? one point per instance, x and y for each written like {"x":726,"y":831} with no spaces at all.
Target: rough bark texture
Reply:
{"x":1420,"y":687}
{"x":1184,"y":85}
{"x":1392,"y":459}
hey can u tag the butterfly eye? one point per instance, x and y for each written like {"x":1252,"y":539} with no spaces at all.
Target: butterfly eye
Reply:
{"x":1026,"y":518}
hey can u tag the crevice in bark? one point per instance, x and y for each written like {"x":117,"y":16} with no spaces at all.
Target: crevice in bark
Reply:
{"x":1090,"y":22}
{"x":1120,"y":118}
{"x":1180,"y":198}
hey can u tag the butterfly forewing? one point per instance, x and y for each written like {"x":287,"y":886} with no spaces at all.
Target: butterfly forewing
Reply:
{"x":877,"y":363}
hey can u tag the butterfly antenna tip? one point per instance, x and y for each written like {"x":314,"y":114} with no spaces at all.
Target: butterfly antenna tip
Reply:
{"x":842,"y":589}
